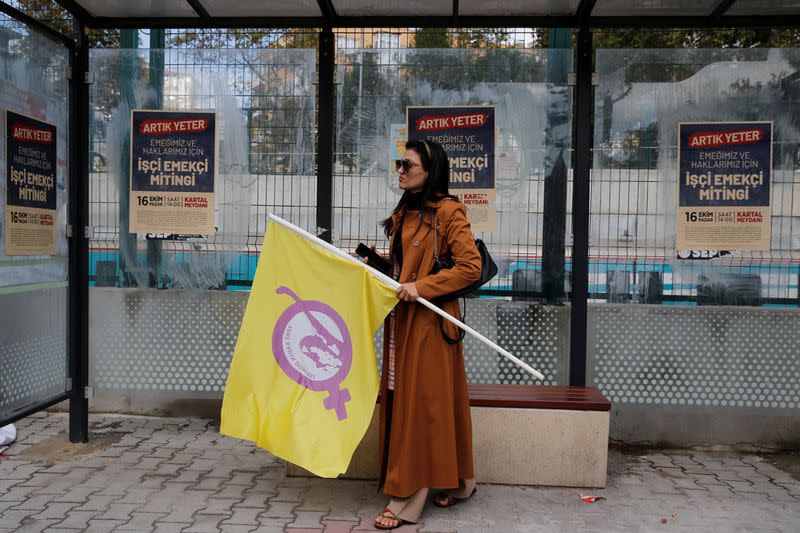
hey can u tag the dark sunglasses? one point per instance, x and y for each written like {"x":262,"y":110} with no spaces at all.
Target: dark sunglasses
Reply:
{"x":405,"y":164}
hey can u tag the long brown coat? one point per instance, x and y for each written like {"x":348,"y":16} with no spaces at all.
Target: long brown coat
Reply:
{"x":430,"y":439}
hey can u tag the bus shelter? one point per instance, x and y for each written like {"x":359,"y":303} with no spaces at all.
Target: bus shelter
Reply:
{"x":601,"y":281}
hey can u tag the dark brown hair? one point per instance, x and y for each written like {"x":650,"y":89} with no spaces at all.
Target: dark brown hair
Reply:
{"x":435,"y":163}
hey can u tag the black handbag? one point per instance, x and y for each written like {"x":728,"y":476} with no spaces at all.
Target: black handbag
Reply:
{"x":488,"y":271}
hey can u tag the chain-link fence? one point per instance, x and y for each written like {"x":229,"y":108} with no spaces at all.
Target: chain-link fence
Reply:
{"x":641,"y":97}
{"x":381,"y":70}
{"x":265,"y":103}
{"x":279,"y":172}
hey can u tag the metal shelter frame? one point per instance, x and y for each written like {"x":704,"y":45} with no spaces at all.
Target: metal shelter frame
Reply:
{"x":582,"y":19}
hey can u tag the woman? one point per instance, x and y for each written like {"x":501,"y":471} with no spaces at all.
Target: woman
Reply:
{"x":425,"y":425}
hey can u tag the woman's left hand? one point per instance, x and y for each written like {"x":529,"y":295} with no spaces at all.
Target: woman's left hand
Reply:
{"x":407,"y":292}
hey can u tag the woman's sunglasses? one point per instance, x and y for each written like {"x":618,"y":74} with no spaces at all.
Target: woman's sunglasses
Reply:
{"x":405,"y":164}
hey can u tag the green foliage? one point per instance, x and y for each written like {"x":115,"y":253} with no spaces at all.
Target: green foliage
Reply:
{"x":500,"y":65}
{"x":103,"y":38}
{"x":481,"y":38}
{"x":721,"y":38}
{"x":431,"y":38}
{"x":363,"y":83}
{"x":485,"y":38}
{"x":46,"y":11}
{"x":299,"y":38}
{"x":747,"y":99}
{"x":241,"y":38}
{"x":58,"y":18}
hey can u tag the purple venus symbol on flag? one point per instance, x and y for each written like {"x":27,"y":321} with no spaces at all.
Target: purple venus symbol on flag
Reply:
{"x":312,"y":346}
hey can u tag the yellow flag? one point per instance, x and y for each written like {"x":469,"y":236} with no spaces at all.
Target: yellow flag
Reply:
{"x":303,"y":380}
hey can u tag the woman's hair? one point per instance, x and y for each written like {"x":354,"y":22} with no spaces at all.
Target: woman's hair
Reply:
{"x":435,"y":163}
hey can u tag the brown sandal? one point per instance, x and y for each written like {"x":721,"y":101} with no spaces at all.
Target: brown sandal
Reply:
{"x":386,"y":513}
{"x":445,"y":500}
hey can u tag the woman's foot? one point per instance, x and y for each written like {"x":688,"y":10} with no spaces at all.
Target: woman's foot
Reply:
{"x":446,"y":500}
{"x":388,"y":520}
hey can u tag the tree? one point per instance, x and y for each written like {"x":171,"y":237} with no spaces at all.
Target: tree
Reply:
{"x":58,"y":18}
{"x":363,"y":87}
{"x":695,"y":38}
{"x":431,"y":38}
{"x":718,"y":45}
{"x":481,"y":38}
{"x":491,"y":58}
{"x":224,"y":38}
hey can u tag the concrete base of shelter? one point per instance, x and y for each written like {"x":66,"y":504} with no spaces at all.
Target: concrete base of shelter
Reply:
{"x":550,"y":447}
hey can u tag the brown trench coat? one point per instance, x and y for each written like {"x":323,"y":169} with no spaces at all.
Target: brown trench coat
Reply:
{"x":430,"y":439}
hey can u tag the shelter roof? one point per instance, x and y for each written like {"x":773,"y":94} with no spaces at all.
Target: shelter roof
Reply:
{"x":442,"y":13}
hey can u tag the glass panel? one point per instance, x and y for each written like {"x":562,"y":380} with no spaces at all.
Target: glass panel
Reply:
{"x":517,"y":7}
{"x":266,"y":120}
{"x":685,"y":353}
{"x":141,"y":8}
{"x":532,"y":144}
{"x":259,"y":8}
{"x":33,"y":288}
{"x":675,"y":8}
{"x":136,"y":344}
{"x":410,"y":8}
{"x":48,"y":12}
{"x":695,"y":357}
{"x":642,"y":96}
{"x":764,"y":7}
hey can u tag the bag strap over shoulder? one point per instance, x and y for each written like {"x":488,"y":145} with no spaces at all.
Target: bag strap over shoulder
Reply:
{"x":448,"y":339}
{"x":436,"y":236}
{"x":436,"y":230}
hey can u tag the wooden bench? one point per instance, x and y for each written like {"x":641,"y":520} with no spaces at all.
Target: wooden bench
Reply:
{"x":540,"y":435}
{"x":522,"y":435}
{"x":538,"y":397}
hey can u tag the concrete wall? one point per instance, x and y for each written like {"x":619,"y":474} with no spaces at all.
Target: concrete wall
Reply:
{"x":517,"y":447}
{"x":698,"y":376}
{"x":676,"y":376}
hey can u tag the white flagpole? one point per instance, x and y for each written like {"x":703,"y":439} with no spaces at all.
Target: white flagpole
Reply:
{"x":394,"y":284}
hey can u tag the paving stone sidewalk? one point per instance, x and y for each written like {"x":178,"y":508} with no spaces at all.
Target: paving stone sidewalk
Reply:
{"x":149,"y":474}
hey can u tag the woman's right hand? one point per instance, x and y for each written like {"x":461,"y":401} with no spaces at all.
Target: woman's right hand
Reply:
{"x":373,"y":247}
{"x":407,"y":292}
